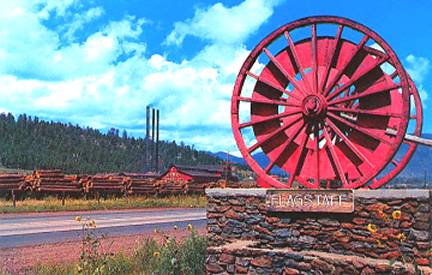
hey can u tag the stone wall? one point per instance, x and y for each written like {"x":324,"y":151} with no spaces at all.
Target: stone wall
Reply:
{"x":239,"y":216}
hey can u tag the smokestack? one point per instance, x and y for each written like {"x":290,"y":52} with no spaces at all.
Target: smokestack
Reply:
{"x":152,"y":135}
{"x":157,"y":142}
{"x":147,"y":140}
{"x":147,"y":122}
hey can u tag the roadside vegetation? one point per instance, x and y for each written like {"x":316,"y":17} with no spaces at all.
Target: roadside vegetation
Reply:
{"x":74,"y":204}
{"x":170,"y":256}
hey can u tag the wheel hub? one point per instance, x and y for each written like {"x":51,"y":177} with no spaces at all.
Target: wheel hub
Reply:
{"x":313,"y":106}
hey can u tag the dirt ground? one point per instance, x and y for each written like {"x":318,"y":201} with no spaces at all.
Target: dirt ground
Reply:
{"x":21,"y":259}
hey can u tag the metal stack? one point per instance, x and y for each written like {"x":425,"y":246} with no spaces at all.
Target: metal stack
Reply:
{"x":152,"y":140}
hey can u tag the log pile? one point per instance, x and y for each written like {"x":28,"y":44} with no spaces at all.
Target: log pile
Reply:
{"x":172,"y":188}
{"x":143,"y":186}
{"x":55,"y":181}
{"x":197,"y":187}
{"x":52,"y":181}
{"x":9,"y":182}
{"x":107,"y":183}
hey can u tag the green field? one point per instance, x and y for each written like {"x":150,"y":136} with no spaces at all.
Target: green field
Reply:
{"x":74,"y":204}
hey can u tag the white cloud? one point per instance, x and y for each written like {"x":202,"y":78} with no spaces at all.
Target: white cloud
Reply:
{"x":418,"y":68}
{"x":47,"y":8}
{"x":219,"y":23}
{"x":79,"y":20}
{"x":104,"y":80}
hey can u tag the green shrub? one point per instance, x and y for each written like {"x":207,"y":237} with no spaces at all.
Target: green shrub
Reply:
{"x":150,"y":257}
{"x":192,"y":254}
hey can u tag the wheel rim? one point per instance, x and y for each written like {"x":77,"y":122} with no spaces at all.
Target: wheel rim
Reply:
{"x":401,"y":158}
{"x":320,"y":107}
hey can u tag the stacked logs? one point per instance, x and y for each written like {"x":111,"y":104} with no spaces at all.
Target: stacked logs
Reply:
{"x":173,"y":187}
{"x":141,"y":185}
{"x":107,"y":183}
{"x":54,"y":181}
{"x":197,"y":187}
{"x":15,"y":182}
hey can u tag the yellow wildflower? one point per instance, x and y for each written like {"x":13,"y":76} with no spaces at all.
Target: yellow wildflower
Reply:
{"x":401,"y":237}
{"x":78,"y":218}
{"x":372,"y":228}
{"x":92,"y":224}
{"x":396,"y":215}
{"x":156,"y":254}
{"x":189,"y":227}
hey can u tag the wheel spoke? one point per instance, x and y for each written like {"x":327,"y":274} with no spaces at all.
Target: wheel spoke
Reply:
{"x":394,"y":74}
{"x":273,"y":134}
{"x":272,"y":85}
{"x":284,"y":71}
{"x":317,"y":158}
{"x":359,"y":129}
{"x":284,"y":147}
{"x":302,"y":147}
{"x":348,"y":142}
{"x":365,"y":112}
{"x":335,"y":157}
{"x":270,"y":118}
{"x":266,"y":101}
{"x":355,"y":78}
{"x":296,"y":58}
{"x":372,"y":91}
{"x":345,"y":66}
{"x":330,"y":61}
{"x":314,"y":59}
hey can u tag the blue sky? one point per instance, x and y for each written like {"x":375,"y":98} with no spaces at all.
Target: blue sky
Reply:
{"x":99,"y":63}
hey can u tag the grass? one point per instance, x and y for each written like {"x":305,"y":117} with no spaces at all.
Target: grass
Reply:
{"x":150,"y":257}
{"x":74,"y":204}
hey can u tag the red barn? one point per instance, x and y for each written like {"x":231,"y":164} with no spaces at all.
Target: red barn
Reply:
{"x":203,"y":173}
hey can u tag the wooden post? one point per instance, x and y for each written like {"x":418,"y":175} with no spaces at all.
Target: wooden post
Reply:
{"x":63,"y":198}
{"x":13,"y":198}
{"x":412,"y":138}
{"x":126,"y":195}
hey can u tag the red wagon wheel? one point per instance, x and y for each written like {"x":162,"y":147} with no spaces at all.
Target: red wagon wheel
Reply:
{"x":403,"y":156}
{"x":320,"y":106}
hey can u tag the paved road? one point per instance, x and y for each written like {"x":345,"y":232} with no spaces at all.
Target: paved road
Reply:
{"x":23,"y":229}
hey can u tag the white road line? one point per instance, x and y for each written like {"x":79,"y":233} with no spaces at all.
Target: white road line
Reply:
{"x":69,"y":225}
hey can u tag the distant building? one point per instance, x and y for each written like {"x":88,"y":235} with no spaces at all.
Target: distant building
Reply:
{"x":200,"y":173}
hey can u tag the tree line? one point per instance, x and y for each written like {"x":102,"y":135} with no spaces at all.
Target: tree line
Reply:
{"x":31,"y":143}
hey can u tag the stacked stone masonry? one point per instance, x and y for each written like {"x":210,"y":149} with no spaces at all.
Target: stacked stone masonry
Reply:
{"x":245,"y":238}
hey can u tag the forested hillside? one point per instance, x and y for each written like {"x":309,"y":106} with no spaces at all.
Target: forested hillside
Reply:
{"x":30,"y":143}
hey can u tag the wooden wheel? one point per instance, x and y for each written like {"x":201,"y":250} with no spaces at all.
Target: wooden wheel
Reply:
{"x":317,"y":97}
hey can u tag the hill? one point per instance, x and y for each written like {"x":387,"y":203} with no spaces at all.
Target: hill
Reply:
{"x":30,"y":143}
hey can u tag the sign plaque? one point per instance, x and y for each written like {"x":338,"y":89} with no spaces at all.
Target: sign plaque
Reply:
{"x":328,"y":201}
